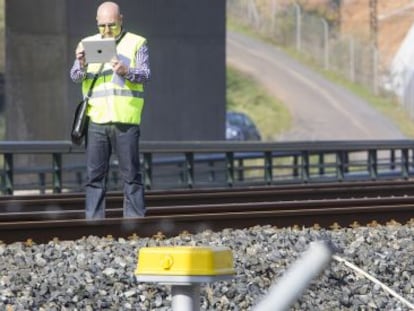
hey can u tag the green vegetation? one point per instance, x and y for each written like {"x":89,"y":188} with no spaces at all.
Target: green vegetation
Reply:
{"x":245,"y":95}
{"x":388,"y":106}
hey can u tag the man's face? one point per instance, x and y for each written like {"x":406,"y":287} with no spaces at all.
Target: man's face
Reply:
{"x":109,"y":24}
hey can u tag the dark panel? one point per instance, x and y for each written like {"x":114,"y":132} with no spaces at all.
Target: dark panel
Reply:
{"x":36,"y":97}
{"x":185,"y":98}
{"x":35,"y":17}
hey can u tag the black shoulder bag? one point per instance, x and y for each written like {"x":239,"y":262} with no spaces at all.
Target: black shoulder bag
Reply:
{"x":81,"y":120}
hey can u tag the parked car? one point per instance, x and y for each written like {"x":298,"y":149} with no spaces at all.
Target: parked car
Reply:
{"x":240,"y":127}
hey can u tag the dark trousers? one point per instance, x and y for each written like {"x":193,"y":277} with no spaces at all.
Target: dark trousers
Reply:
{"x":124,"y":139}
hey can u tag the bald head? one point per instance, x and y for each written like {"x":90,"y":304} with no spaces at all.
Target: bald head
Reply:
{"x":109,"y":19}
{"x":108,"y":8}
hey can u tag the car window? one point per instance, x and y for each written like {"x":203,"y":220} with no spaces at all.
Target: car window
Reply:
{"x":235,"y":119}
{"x":248,"y":121}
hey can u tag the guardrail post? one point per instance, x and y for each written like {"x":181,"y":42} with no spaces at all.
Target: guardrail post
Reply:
{"x":305,"y":166}
{"x":147,"y":169}
{"x":240,"y":169}
{"x":405,"y":165}
{"x":8,"y":173}
{"x":189,"y":169}
{"x":340,"y":166}
{"x":295,"y":166}
{"x":57,"y":172}
{"x":268,"y":167}
{"x":230,"y":168}
{"x":392,"y":162}
{"x":321,"y":164}
{"x":372,"y":164}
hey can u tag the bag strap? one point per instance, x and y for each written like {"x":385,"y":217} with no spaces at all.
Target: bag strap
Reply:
{"x":100,"y":69}
{"x":94,"y":80}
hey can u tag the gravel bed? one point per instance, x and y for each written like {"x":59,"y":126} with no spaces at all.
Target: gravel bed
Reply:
{"x":98,"y":273}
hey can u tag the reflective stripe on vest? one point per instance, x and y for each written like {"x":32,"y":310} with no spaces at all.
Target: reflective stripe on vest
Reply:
{"x":117,"y":92}
{"x":113,"y":98}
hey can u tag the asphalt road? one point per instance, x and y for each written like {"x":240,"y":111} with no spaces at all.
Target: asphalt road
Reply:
{"x":321,"y":110}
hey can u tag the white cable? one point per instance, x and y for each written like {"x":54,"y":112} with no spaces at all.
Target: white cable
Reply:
{"x":385,"y":287}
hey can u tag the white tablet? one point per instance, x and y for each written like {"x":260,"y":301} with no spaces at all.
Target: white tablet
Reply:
{"x":99,"y":50}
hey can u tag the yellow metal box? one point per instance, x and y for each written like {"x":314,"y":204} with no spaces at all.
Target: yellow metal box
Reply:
{"x":185,"y":261}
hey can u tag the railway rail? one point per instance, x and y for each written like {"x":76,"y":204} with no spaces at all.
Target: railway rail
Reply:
{"x":44,"y":217}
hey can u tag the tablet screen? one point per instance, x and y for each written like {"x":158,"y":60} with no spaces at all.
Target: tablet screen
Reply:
{"x":99,"y":50}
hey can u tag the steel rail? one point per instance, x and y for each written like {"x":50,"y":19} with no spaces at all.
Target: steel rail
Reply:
{"x":43,"y":217}
{"x":225,"y":207}
{"x":169,"y":225}
{"x":61,"y":202}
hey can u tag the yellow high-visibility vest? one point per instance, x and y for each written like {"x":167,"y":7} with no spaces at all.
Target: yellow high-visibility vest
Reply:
{"x":115,"y":99}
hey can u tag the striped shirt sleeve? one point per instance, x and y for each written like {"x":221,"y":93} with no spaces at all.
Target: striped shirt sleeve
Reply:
{"x":139,"y":74}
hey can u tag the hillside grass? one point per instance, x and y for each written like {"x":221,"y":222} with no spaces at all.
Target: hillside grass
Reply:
{"x":245,"y":95}
{"x":387,"y":105}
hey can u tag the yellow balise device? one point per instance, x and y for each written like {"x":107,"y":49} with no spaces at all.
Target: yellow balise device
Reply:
{"x":184,"y":268}
{"x":185,"y":262}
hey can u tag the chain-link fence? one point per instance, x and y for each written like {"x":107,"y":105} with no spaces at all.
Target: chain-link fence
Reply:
{"x":289,"y":25}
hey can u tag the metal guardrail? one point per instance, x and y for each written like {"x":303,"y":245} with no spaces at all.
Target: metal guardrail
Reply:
{"x":58,"y":166}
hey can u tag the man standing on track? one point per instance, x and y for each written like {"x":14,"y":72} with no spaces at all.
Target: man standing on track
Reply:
{"x":115,"y":107}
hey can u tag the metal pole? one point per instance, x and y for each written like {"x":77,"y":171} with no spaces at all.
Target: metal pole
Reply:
{"x":273,"y":14}
{"x":283,"y":294}
{"x":185,"y":297}
{"x":325,"y":43}
{"x":373,"y":16}
{"x":352,"y":59}
{"x":375,"y":64}
{"x":298,"y":27}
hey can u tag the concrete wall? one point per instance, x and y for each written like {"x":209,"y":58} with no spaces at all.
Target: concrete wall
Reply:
{"x":185,"y":99}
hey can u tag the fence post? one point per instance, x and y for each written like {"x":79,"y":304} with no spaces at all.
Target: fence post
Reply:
{"x":253,"y":14}
{"x":351,"y":59}
{"x":325,"y":43}
{"x":298,"y":27}
{"x":375,"y":64}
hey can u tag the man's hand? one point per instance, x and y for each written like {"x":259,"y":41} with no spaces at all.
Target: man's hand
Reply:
{"x":80,"y":55}
{"x":119,"y":67}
